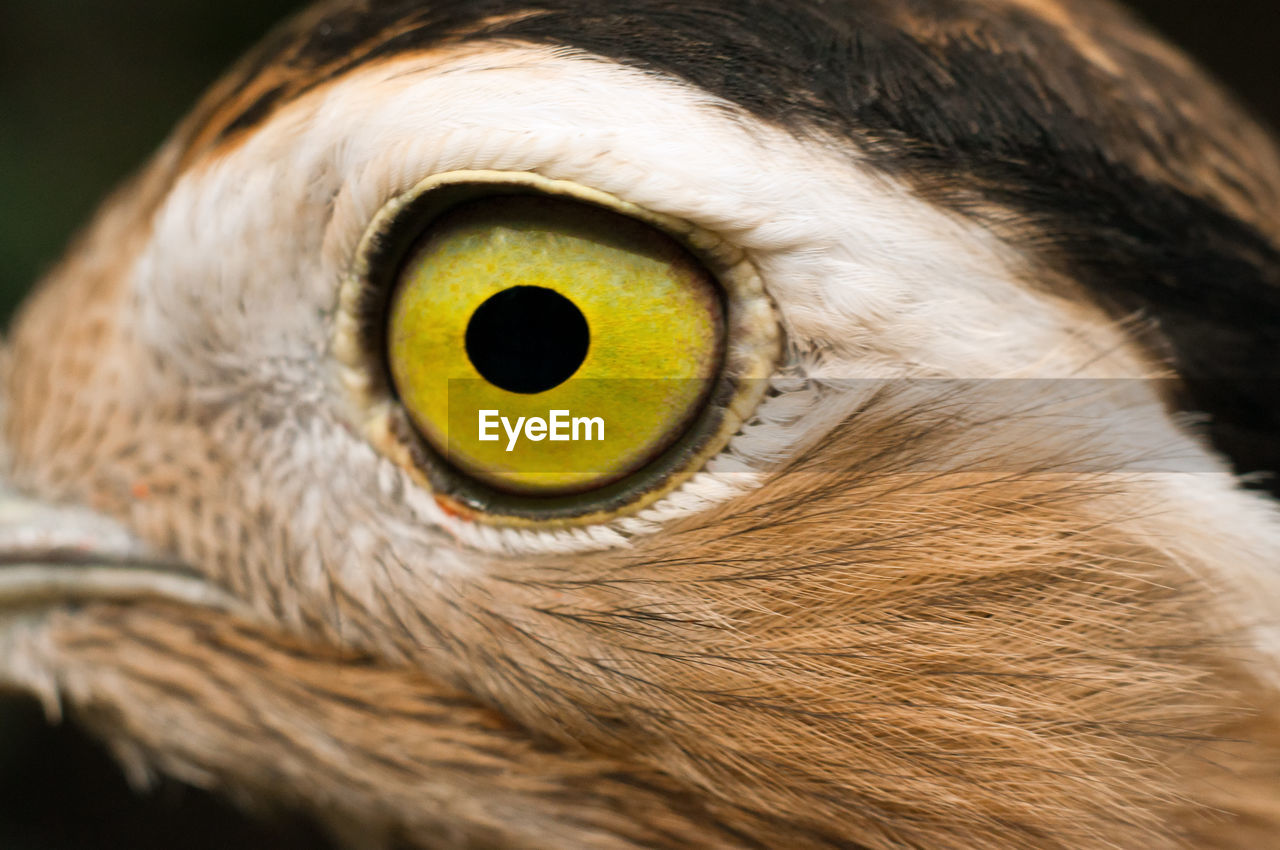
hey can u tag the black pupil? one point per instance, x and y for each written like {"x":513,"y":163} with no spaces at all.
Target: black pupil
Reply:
{"x":527,"y":339}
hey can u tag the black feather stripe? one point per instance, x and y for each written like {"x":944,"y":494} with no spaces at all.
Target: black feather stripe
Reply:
{"x":1034,"y":127}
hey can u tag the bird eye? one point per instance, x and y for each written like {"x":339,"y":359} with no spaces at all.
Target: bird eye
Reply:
{"x":517,"y":310}
{"x":549,"y":352}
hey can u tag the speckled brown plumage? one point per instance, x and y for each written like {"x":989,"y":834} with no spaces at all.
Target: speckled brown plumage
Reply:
{"x":937,"y":626}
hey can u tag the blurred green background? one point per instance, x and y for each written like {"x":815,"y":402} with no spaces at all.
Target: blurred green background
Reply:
{"x":88,"y":88}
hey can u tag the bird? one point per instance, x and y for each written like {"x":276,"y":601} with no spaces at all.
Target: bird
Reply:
{"x":932,"y":502}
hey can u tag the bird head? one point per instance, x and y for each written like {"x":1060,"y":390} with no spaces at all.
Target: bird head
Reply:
{"x":933,"y":347}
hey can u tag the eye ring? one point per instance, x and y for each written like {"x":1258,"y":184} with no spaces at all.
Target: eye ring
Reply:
{"x":360,"y":338}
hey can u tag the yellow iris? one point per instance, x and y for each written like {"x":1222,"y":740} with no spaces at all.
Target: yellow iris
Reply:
{"x":548,"y":347}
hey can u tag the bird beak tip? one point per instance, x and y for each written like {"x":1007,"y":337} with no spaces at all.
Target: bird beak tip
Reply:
{"x":53,"y":557}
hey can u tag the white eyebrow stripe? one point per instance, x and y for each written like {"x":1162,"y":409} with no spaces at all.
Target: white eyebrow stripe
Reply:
{"x":871,"y":281}
{"x":853,"y":259}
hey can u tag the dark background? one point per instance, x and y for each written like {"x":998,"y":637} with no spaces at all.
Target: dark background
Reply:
{"x":88,"y":88}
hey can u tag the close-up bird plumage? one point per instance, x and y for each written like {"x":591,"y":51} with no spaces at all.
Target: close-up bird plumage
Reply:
{"x":933,"y":348}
